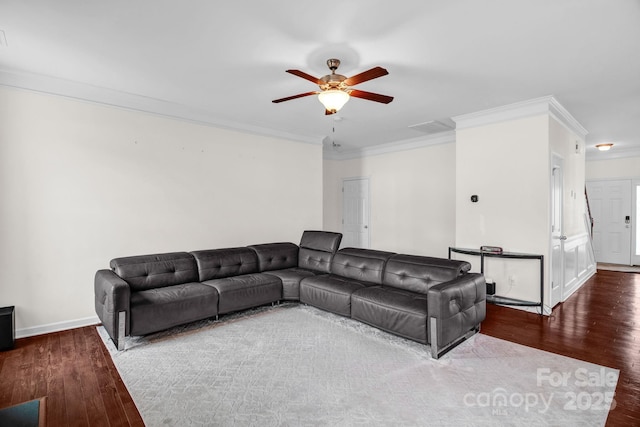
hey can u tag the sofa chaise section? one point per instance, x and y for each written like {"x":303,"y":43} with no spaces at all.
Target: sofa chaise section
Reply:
{"x":150,"y":293}
{"x":351,"y":269}
{"x":234,"y":274}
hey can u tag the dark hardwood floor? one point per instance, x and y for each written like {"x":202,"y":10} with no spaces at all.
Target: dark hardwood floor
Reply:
{"x":75,"y":372}
{"x":598,"y":324}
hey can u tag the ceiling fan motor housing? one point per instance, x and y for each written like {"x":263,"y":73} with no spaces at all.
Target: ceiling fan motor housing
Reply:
{"x":333,"y":80}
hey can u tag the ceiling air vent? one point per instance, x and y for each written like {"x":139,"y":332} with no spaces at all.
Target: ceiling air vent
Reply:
{"x":433,"y":126}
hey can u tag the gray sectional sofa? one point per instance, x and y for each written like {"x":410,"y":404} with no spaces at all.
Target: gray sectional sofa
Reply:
{"x":430,"y":300}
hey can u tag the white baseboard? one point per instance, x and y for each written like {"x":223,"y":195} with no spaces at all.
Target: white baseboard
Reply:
{"x":534,"y":309}
{"x":56,"y":327}
{"x":581,"y":280}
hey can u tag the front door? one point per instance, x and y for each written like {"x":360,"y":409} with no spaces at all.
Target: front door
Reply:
{"x":610,"y":203}
{"x":355,"y":213}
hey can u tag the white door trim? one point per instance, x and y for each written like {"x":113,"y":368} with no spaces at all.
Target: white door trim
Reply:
{"x":635,"y":221}
{"x":556,"y":237}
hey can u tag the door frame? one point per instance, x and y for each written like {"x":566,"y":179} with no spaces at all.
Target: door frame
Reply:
{"x":635,"y":221}
{"x":557,"y":162}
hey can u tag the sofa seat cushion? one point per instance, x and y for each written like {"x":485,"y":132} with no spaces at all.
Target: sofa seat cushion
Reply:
{"x":156,"y":309}
{"x":246,"y":291}
{"x":291,"y":278}
{"x":398,"y":311}
{"x":330,"y":292}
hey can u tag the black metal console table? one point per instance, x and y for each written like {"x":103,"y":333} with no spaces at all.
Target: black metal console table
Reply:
{"x":496,"y":299}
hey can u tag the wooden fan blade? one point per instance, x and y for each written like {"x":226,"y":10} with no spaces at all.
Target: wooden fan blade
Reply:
{"x":289,"y":98}
{"x":305,"y":76}
{"x":371,"y":96}
{"x":373,"y":73}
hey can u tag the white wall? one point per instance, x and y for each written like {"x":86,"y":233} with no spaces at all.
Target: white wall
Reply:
{"x":82,"y":183}
{"x":613,"y":169}
{"x":578,"y":258}
{"x":563,"y":142}
{"x":412,"y":198}
{"x":506,"y":164}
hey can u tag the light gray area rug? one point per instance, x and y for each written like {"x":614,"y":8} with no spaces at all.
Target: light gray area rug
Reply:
{"x":295,"y":365}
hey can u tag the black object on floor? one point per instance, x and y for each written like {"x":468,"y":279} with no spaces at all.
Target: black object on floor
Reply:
{"x":491,"y":288}
{"x":7,"y":328}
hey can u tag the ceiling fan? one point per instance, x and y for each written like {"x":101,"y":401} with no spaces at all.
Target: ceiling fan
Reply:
{"x":335,"y":89}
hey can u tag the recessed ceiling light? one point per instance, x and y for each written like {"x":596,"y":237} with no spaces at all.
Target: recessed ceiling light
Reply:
{"x":604,"y":147}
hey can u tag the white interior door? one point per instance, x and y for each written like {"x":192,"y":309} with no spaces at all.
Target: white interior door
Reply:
{"x":355,"y":213}
{"x":557,"y":238}
{"x":610,"y":203}
{"x":635,"y":224}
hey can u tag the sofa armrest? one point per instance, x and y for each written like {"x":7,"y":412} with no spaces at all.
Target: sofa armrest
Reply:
{"x":112,"y":296}
{"x":455,"y":309}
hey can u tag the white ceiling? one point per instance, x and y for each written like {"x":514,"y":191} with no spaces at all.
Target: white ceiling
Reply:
{"x":223,"y":62}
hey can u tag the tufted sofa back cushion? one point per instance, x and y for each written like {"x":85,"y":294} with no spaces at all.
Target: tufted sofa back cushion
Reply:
{"x":419,"y":273}
{"x":156,"y":271}
{"x":360,"y":264}
{"x":276,"y":256}
{"x":317,"y":249}
{"x":220,"y":263}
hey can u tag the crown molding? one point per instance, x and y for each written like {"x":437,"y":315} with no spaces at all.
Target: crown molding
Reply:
{"x":134,"y":102}
{"x":519,"y":110}
{"x":391,"y":147}
{"x":565,"y":118}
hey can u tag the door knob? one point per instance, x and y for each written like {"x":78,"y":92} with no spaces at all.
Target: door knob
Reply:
{"x":563,"y":237}
{"x":366,"y":226}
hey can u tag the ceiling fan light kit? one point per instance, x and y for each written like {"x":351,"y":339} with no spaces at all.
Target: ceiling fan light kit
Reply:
{"x":333,"y":99}
{"x":335,"y":89}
